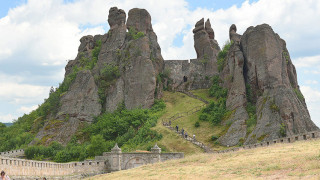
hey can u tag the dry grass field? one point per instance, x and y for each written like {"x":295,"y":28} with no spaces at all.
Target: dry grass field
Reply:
{"x":299,"y":160}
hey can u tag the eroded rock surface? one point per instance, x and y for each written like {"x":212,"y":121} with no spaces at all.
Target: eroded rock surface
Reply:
{"x":259,"y":72}
{"x":124,"y":71}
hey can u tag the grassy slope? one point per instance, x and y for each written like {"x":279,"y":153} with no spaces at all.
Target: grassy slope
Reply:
{"x":204,"y":94}
{"x":299,"y":160}
{"x":178,"y":102}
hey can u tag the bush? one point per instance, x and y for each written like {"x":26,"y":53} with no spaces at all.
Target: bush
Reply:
{"x":215,"y":111}
{"x":214,"y":138}
{"x":216,"y":90}
{"x":133,"y":34}
{"x":97,"y":146}
{"x":282,"y":130}
{"x":197,"y":124}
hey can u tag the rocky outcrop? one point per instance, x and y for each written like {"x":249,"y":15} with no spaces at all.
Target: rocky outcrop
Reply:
{"x":141,"y":61}
{"x":205,"y":45}
{"x":123,"y":71}
{"x":236,"y":100}
{"x":196,"y":73}
{"x":260,"y":73}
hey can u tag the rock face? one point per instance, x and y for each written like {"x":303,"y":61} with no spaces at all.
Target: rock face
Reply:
{"x":236,"y":100}
{"x":123,"y":71}
{"x":262,"y":74}
{"x":206,"y":47}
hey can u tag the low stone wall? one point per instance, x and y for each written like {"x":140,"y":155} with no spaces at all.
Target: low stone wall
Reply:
{"x":13,"y":153}
{"x":288,"y":139}
{"x":21,"y":167}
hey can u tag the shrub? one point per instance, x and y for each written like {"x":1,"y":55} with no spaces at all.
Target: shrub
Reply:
{"x":216,"y":90}
{"x":215,"y":111}
{"x":282,"y":130}
{"x":133,"y":34}
{"x":197,"y":124}
{"x":213,"y":138}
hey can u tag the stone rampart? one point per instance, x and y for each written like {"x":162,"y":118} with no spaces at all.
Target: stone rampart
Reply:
{"x":189,"y":74}
{"x":13,"y":153}
{"x":110,"y":161}
{"x":21,"y":167}
{"x":288,"y":139}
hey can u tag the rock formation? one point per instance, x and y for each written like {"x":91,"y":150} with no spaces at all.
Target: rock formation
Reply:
{"x":126,"y":66}
{"x":262,"y":74}
{"x":205,"y":45}
{"x":123,"y":71}
{"x":196,"y":74}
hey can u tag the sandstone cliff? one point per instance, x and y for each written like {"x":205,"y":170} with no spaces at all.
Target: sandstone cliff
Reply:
{"x":118,"y":67}
{"x":262,"y":76}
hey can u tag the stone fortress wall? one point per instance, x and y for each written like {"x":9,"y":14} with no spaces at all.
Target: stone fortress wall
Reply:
{"x":13,"y":153}
{"x":188,"y":74}
{"x":15,"y":168}
{"x":288,"y":139}
{"x":110,"y":161}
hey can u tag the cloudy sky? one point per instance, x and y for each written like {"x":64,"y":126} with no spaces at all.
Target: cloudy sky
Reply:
{"x":37,"y":37}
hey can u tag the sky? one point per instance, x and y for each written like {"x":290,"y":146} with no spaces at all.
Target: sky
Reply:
{"x":38,"y":37}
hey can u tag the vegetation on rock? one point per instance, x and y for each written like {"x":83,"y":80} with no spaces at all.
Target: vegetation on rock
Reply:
{"x":223,"y":55}
{"x":133,"y":34}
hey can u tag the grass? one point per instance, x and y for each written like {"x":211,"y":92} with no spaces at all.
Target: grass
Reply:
{"x":204,"y":94}
{"x":178,"y":103}
{"x":299,"y":160}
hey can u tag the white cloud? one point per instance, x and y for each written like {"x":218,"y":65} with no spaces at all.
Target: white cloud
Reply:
{"x":312,"y":97}
{"x":22,"y":93}
{"x":309,"y":61}
{"x":312,"y":82}
{"x":42,"y":33}
{"x":12,"y":90}
{"x":26,"y":110}
{"x":7,"y":118}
